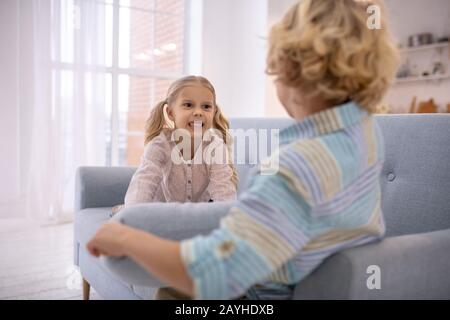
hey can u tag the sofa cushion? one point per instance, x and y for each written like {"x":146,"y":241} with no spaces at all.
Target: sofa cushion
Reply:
{"x":408,"y":266}
{"x":87,"y":221}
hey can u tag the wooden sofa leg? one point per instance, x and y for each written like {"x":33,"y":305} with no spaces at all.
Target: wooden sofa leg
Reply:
{"x":86,"y":289}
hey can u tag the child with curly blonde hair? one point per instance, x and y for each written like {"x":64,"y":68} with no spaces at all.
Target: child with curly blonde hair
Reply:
{"x":331,"y":71}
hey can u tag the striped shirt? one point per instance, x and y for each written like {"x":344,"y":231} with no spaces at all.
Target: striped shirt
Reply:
{"x":324,"y":198}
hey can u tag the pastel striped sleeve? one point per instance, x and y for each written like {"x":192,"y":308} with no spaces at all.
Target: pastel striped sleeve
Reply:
{"x":267,"y":227}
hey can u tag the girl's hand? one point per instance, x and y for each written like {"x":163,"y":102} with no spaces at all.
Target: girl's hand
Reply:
{"x":109,"y":240}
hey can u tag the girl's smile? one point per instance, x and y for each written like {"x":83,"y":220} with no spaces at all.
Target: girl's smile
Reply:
{"x":196,"y":124}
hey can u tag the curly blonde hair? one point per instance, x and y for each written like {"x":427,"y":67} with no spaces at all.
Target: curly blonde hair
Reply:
{"x":325,"y":48}
{"x":158,"y":120}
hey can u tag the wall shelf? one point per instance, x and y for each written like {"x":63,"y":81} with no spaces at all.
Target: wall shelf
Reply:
{"x":438,"y":45}
{"x":422,"y":78}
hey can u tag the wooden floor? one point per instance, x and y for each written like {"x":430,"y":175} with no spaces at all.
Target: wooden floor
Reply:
{"x":37,"y":262}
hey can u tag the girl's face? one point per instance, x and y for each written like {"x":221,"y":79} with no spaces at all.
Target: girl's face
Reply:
{"x":194,"y":106}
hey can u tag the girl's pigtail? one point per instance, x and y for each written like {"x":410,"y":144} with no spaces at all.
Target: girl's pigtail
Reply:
{"x":155,"y":122}
{"x":221,"y":123}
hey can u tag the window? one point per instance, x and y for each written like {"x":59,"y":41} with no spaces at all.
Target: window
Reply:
{"x":135,"y":47}
{"x":151,"y":42}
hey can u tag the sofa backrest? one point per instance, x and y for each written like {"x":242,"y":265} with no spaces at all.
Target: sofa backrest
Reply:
{"x":415,"y":178}
{"x":245,"y":160}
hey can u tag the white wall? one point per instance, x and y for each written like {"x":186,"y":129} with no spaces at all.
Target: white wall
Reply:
{"x":277,"y":9}
{"x":415,"y":16}
{"x":9,"y":110}
{"x":234,"y":54}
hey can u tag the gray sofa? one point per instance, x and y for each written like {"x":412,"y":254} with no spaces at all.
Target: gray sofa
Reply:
{"x":413,"y":259}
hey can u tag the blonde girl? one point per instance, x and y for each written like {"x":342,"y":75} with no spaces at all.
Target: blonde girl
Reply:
{"x":190,"y":101}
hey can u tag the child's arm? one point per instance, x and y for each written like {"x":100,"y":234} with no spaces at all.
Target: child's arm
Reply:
{"x":221,"y":187}
{"x":147,"y":178}
{"x":255,"y":239}
{"x":158,"y":256}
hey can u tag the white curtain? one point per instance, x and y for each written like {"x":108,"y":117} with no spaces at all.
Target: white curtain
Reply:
{"x":69,"y":108}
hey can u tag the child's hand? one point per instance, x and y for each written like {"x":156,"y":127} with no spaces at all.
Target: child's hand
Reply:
{"x":116,"y":209}
{"x":109,"y":240}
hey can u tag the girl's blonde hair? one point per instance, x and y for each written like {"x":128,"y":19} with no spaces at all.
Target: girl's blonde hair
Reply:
{"x":157,"y":120}
{"x":325,"y":47}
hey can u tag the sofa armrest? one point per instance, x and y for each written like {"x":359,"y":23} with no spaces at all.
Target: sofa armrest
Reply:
{"x":101,"y":186}
{"x":411,"y":267}
{"x":175,"y":221}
